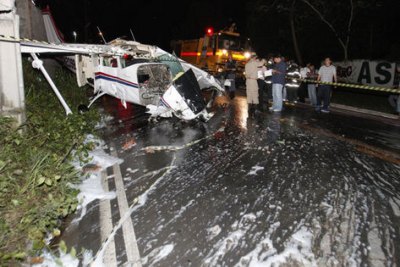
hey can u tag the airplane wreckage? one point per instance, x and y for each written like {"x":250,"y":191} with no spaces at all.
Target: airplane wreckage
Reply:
{"x":130,"y":71}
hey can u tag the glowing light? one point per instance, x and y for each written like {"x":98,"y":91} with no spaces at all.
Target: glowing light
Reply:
{"x":222,"y":52}
{"x":247,"y":55}
{"x":210,"y":31}
{"x":239,"y":57}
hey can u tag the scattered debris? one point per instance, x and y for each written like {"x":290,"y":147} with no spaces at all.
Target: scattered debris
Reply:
{"x":129,"y":144}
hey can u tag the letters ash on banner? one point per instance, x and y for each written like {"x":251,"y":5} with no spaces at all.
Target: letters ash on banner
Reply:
{"x":375,"y":73}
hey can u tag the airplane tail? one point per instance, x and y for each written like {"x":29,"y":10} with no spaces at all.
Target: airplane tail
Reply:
{"x":52,"y":32}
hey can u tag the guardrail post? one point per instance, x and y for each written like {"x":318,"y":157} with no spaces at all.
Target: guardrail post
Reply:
{"x":12,"y":98}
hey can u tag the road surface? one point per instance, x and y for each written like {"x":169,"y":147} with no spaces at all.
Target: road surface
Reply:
{"x":290,"y":189}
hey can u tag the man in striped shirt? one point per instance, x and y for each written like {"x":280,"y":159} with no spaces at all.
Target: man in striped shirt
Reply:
{"x":327,"y":73}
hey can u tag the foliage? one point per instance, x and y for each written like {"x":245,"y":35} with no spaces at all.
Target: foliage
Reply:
{"x":320,"y":25}
{"x":35,"y":169}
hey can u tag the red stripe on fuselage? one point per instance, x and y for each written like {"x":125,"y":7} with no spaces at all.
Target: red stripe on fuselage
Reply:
{"x":114,"y":77}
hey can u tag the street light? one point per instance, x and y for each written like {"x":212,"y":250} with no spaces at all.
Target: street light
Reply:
{"x":75,"y":35}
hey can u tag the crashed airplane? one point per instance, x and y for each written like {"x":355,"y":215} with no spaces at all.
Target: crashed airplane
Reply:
{"x":130,"y":71}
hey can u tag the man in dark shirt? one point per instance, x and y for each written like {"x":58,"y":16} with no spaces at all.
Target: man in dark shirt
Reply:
{"x":278,"y":82}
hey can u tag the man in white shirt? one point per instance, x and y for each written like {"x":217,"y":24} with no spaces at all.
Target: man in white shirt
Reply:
{"x":327,"y":73}
{"x":304,"y":71}
{"x":302,"y":91}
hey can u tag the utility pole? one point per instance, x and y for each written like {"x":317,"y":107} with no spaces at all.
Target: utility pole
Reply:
{"x":12,"y":98}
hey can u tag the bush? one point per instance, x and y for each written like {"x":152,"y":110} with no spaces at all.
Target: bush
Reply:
{"x":35,"y":164}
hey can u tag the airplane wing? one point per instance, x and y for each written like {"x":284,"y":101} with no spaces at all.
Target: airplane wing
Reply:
{"x":204,"y":79}
{"x":33,"y":46}
{"x":37,"y":47}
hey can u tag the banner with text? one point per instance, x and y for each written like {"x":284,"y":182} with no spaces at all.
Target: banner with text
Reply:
{"x":375,"y":73}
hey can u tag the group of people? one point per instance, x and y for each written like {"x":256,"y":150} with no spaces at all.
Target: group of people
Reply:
{"x":326,"y":74}
{"x":320,"y":100}
{"x":317,"y":84}
{"x":256,"y":72}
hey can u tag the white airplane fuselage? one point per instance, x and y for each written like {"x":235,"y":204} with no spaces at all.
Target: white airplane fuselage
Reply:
{"x":130,"y":71}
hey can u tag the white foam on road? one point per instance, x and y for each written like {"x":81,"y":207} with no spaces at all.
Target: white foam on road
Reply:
{"x":395,"y":204}
{"x":158,"y":254}
{"x":297,"y":249}
{"x":97,"y":260}
{"x":98,"y":156}
{"x":90,"y":190}
{"x":63,"y":260}
{"x":231,"y":240}
{"x":255,"y":169}
{"x":52,"y":261}
{"x":102,"y":159}
{"x":213,"y":232}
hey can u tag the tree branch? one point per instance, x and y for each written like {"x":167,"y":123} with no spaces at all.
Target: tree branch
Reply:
{"x":350,"y":22}
{"x":326,"y":22}
{"x":267,"y":8}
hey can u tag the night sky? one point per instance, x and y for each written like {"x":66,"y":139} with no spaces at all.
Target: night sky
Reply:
{"x":375,"y":35}
{"x":153,"y":22}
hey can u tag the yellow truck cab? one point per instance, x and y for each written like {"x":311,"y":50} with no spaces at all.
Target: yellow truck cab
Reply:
{"x":211,"y":52}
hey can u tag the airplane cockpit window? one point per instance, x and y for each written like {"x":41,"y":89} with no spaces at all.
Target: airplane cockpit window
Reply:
{"x":132,"y":61}
{"x":143,"y":78}
{"x":154,"y":80}
{"x":110,"y":62}
{"x":114,"y":63}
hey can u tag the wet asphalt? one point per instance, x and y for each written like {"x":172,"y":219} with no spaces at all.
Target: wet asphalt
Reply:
{"x":295,"y":188}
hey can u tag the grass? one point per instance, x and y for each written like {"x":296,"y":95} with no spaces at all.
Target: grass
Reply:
{"x":35,"y":169}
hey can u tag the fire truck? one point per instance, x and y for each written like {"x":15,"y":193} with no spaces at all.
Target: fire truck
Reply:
{"x":211,"y":52}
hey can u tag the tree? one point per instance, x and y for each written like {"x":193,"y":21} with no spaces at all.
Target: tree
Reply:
{"x":296,"y":47}
{"x":286,"y":9}
{"x":340,"y":25}
{"x":313,"y":28}
{"x":321,"y":8}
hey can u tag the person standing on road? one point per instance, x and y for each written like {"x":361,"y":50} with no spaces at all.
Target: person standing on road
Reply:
{"x":278,"y":82}
{"x":268,"y":79}
{"x":262,"y":85}
{"x":311,"y":88}
{"x":327,"y":73}
{"x":251,"y":70}
{"x":230,"y":67}
{"x":303,"y":85}
{"x":394,"y":101}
